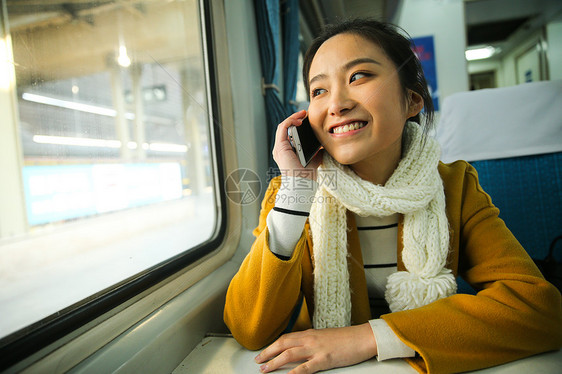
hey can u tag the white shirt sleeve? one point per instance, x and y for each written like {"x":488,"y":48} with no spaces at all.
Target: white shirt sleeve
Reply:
{"x":388,"y":344}
{"x":286,"y":220}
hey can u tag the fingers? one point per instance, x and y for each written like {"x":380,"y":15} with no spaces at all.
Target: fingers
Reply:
{"x":294,"y":119}
{"x":290,"y":355}
{"x":284,"y":342}
{"x":292,"y":348}
{"x":283,"y":153}
{"x":288,"y":348}
{"x":297,"y":354}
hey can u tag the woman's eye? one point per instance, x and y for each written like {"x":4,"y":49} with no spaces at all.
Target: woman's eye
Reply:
{"x":317,"y":91}
{"x":356,"y":76}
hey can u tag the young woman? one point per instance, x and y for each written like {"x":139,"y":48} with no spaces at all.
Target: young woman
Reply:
{"x":359,"y":252}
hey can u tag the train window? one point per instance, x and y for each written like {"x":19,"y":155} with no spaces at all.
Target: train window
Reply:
{"x":115,"y":154}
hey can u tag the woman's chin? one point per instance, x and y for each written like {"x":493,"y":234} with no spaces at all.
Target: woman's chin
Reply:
{"x":344,"y":158}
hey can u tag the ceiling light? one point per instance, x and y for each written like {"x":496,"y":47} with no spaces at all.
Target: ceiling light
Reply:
{"x":87,"y":108}
{"x":163,"y":147}
{"x":479,"y":53}
{"x":107,"y":143}
{"x":83,"y":142}
{"x":123,"y":59}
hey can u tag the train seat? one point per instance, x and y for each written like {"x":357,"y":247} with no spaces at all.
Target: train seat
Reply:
{"x":513,"y":137}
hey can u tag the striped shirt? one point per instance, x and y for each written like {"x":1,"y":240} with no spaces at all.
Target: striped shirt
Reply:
{"x":378,"y":238}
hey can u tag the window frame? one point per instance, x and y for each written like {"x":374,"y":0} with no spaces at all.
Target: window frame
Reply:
{"x":37,"y":336}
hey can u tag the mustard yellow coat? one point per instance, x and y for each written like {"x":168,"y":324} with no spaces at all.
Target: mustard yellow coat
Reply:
{"x":515,"y":314}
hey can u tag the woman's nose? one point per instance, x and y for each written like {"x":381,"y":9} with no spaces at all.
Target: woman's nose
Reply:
{"x":340,"y":102}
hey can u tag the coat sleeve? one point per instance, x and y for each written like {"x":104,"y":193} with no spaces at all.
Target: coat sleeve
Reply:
{"x":516,"y":312}
{"x":263,"y":294}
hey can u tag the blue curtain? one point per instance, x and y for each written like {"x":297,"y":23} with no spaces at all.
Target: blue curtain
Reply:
{"x":270,"y":15}
{"x":290,"y":12}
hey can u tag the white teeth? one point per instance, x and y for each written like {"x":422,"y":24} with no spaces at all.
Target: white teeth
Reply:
{"x":348,"y":127}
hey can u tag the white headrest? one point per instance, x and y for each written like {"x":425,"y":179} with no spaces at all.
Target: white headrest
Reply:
{"x":502,"y":122}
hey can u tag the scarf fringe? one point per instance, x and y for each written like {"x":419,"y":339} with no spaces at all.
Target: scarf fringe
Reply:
{"x":405,"y":290}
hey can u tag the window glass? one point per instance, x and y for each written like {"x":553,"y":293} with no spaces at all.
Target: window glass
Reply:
{"x":114,"y":148}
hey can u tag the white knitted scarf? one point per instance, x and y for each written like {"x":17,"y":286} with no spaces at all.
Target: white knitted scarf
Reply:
{"x":415,"y":190}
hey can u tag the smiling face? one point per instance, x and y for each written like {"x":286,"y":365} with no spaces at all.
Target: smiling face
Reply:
{"x":357,"y":105}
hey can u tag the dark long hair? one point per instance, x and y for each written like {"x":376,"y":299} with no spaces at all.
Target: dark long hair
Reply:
{"x":397,"y":45}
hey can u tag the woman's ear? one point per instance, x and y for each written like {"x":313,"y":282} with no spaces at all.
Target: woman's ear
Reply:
{"x":415,"y":103}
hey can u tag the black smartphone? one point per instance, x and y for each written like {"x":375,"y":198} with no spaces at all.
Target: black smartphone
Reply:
{"x":304,"y":142}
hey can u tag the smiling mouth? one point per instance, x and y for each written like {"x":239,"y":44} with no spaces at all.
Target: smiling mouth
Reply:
{"x":348,"y":127}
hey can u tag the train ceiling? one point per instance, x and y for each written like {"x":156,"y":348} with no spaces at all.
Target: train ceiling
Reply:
{"x":503,"y":23}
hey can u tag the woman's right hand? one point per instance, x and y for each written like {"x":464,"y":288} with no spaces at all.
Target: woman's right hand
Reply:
{"x":284,"y":155}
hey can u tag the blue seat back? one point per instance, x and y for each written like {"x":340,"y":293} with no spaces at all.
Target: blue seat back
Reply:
{"x":528,"y":192}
